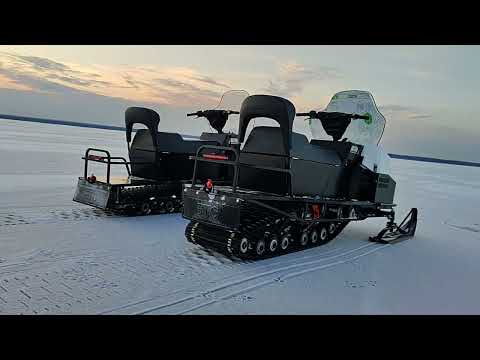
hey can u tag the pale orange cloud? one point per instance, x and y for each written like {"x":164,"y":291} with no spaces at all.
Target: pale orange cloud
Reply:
{"x":7,"y":83}
{"x":176,"y":86}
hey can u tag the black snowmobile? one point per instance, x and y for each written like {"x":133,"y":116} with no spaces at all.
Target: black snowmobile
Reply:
{"x":160,"y":162}
{"x":288,"y":193}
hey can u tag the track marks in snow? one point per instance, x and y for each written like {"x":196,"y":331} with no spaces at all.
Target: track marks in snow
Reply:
{"x":360,"y":284}
{"x":26,"y":216}
{"x":475,"y":228}
{"x":70,"y":283}
{"x":246,"y":278}
{"x":286,"y":273}
{"x":84,"y":281}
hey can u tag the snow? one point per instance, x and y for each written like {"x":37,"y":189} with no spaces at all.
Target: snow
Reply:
{"x":60,"y":257}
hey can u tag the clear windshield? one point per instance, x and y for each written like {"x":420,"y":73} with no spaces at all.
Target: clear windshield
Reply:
{"x":232,"y":100}
{"x":359,"y":131}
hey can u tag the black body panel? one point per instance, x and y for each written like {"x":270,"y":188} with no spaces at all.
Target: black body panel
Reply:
{"x":316,"y":168}
{"x":370,"y":186}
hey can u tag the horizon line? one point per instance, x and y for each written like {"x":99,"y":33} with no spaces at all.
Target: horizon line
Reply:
{"x":119,"y":128}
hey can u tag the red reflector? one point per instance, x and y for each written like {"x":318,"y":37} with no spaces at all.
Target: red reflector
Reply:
{"x":95,"y":157}
{"x":209,"y":184}
{"x":316,"y":211}
{"x":215,"y":157}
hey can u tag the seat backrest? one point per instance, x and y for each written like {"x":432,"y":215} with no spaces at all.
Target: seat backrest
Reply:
{"x":264,"y":147}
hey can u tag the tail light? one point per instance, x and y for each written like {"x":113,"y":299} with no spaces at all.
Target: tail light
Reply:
{"x":215,"y":157}
{"x":95,"y":157}
{"x":316,"y":211}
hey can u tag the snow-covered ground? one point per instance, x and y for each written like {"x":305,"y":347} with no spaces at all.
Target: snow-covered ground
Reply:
{"x":58,"y":257}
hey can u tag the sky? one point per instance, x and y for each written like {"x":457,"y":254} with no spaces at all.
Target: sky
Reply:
{"x":428,"y":94}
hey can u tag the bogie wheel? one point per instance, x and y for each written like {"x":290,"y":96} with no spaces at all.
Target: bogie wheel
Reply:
{"x":169,"y":207}
{"x":260,"y":247}
{"x":273,"y":245}
{"x":285,"y":243}
{"x":331,"y":228}
{"x":323,"y":234}
{"x":243,"y":246}
{"x":314,"y":236}
{"x":304,"y":239}
{"x":145,"y":208}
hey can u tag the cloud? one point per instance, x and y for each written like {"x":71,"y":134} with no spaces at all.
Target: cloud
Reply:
{"x":403,"y":112}
{"x":292,"y":77}
{"x":180,"y":87}
{"x":45,"y":75}
{"x":43,"y":64}
{"x":209,"y":80}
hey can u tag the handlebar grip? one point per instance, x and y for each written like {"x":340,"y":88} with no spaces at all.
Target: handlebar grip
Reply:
{"x":198,"y":113}
{"x":312,"y":114}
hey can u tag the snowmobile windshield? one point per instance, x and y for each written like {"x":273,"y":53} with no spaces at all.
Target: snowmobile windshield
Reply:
{"x":359,"y":131}
{"x":232,"y":100}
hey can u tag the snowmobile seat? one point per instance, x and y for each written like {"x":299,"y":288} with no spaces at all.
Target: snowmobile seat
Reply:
{"x":168,"y":160}
{"x":342,"y":148}
{"x":167,"y":143}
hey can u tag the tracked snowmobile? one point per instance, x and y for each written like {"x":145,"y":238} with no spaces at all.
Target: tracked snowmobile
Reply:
{"x":288,"y":193}
{"x":160,"y":162}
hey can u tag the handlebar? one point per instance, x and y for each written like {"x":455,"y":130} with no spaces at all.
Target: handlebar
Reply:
{"x":206,"y":113}
{"x":317,"y":115}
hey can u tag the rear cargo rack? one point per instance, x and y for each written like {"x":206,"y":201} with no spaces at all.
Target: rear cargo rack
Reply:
{"x":104,"y":160}
{"x":107,"y":160}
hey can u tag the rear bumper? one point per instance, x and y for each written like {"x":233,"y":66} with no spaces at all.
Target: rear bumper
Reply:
{"x":217,"y":208}
{"x":94,"y":194}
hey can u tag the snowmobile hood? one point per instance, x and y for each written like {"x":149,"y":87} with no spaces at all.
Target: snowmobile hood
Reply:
{"x":273,"y":107}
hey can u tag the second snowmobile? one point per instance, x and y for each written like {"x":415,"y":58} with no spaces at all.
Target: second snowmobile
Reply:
{"x":159,"y":164}
{"x":290,"y":193}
